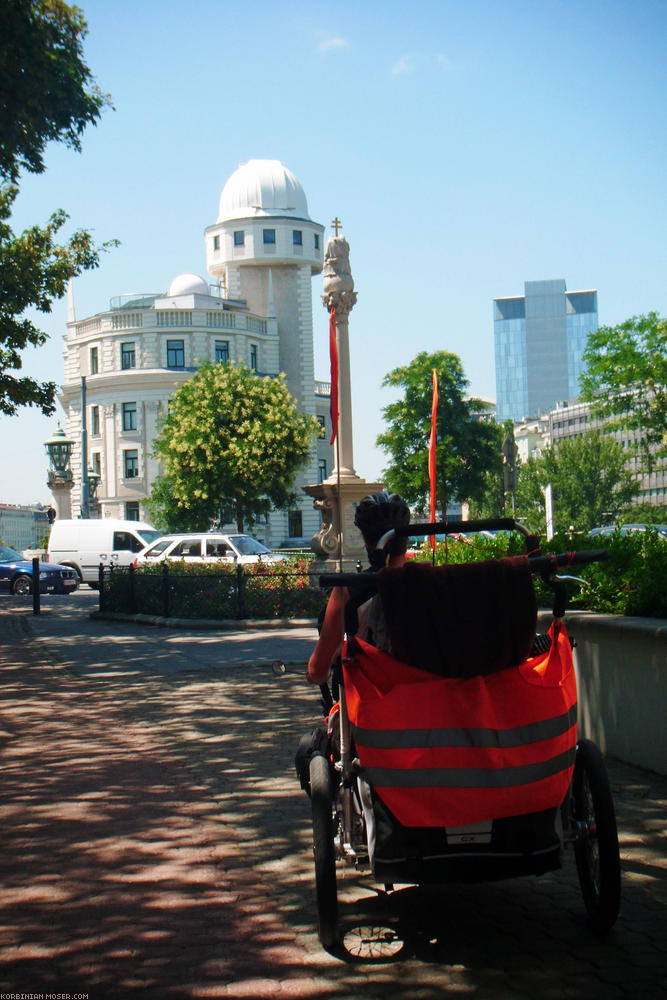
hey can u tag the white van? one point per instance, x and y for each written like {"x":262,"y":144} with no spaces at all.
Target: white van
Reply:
{"x":83,"y":544}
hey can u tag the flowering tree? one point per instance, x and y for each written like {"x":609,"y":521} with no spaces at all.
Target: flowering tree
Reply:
{"x":232,"y":440}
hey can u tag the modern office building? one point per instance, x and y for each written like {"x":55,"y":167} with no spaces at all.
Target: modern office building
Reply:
{"x":540,"y":339}
{"x":262,"y":254}
{"x":23,"y":527}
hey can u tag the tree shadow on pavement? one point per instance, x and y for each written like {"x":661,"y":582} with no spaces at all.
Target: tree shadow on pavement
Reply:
{"x":156,"y":843}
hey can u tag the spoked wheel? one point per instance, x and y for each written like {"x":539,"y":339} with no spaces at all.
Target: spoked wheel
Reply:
{"x":321,"y":794}
{"x":22,"y":585}
{"x":596,"y":847}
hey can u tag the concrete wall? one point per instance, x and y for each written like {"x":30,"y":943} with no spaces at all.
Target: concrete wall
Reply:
{"x":621,"y":668}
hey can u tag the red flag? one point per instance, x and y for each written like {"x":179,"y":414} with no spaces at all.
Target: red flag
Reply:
{"x":432,"y":451}
{"x":333,"y":355}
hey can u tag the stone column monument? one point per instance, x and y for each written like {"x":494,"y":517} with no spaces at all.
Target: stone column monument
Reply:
{"x":338,"y":543}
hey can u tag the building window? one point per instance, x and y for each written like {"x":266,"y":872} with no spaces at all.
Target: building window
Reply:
{"x":253,"y":357}
{"x":94,"y":361}
{"x":322,"y":469}
{"x":175,"y":354}
{"x":96,"y":460}
{"x":322,"y":421}
{"x":131,"y":463}
{"x":269,"y":237}
{"x":132,"y":510}
{"x":222,"y":351}
{"x":316,"y":239}
{"x":239,"y":238}
{"x":95,"y":420}
{"x":297,"y":238}
{"x":216,"y":242}
{"x":127,"y":355}
{"x":295,"y":524}
{"x":129,"y":416}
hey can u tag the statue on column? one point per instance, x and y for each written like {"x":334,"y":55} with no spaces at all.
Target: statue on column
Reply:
{"x":337,"y":497}
{"x":337,"y":279}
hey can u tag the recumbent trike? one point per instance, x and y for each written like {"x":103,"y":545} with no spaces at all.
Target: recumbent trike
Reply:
{"x":456,"y":758}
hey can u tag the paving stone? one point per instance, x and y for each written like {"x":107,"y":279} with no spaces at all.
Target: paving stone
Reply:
{"x":156,"y":844}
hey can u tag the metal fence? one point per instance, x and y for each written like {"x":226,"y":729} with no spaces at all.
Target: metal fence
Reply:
{"x":235,"y":592}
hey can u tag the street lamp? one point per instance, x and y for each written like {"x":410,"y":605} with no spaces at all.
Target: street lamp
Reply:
{"x":93,"y":482}
{"x":59,"y":477}
{"x":59,"y":450}
{"x":509,"y":468}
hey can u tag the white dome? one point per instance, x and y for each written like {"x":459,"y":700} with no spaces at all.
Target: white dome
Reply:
{"x":262,"y":188}
{"x":188,"y":284}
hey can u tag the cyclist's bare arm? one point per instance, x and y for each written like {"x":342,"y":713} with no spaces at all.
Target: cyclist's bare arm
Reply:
{"x":331,"y":637}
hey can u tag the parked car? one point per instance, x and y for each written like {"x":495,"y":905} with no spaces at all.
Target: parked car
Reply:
{"x":16,"y":575}
{"x":84,"y":543}
{"x":628,"y":529}
{"x":209,"y":547}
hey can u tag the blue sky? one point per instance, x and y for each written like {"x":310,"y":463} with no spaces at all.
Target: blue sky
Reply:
{"x":466,"y":148}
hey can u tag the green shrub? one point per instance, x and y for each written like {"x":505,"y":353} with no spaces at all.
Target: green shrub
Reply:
{"x":632,"y":581}
{"x":185,"y":590}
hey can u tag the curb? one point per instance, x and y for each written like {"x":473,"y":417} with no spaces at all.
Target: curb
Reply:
{"x":222,"y":624}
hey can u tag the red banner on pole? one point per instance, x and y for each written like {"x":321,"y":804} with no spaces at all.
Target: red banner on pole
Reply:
{"x":432,"y":456}
{"x":333,"y":355}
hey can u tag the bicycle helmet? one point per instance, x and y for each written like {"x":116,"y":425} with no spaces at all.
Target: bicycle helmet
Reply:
{"x":379,"y":512}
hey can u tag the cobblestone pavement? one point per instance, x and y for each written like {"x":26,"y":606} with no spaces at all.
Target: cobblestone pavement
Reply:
{"x":156,"y":843}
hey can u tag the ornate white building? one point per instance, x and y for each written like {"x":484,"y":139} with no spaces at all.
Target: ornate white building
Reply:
{"x":262,"y":254}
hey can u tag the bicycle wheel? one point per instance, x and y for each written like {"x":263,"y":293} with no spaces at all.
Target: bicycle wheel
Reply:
{"x":596,"y":847}
{"x":321,"y":795}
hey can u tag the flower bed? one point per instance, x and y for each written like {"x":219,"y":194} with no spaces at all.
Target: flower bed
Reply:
{"x":215,"y":591}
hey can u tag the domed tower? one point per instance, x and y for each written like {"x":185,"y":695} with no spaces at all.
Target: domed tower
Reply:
{"x":265,"y":249}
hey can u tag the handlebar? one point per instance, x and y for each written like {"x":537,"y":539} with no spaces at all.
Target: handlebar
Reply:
{"x":545,"y":565}
{"x":541,"y":565}
{"x":461,"y":527}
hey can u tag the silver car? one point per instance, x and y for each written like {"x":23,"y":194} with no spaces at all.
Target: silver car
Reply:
{"x":208,"y":547}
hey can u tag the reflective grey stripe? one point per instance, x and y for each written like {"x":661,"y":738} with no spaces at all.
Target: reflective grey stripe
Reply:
{"x":469,"y":777}
{"x":406,"y":739}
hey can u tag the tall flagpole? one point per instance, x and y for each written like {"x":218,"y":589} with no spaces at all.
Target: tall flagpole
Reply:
{"x":433,"y":455}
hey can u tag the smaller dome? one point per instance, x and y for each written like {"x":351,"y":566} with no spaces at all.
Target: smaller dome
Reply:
{"x":188,"y":284}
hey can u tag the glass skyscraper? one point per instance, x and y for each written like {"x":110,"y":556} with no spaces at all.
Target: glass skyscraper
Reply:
{"x":539,"y":343}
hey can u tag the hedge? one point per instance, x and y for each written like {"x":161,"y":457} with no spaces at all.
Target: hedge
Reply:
{"x":632,"y":581}
{"x":215,"y":591}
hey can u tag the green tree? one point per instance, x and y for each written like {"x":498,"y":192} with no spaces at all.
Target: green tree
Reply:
{"x":530,"y":504}
{"x":626,"y":380}
{"x":46,"y":93}
{"x":467,"y":442}
{"x":231,"y":440}
{"x":493,"y":501}
{"x":168,"y":515}
{"x":644,"y":513}
{"x":589,"y":481}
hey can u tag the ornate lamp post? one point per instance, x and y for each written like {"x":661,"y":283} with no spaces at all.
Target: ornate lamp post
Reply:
{"x":59,"y":478}
{"x":93,"y":483}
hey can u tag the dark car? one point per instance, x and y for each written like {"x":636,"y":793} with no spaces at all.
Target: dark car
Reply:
{"x":16,"y":575}
{"x":628,"y":529}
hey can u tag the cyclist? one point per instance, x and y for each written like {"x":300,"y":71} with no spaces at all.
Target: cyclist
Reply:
{"x":375,"y":515}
